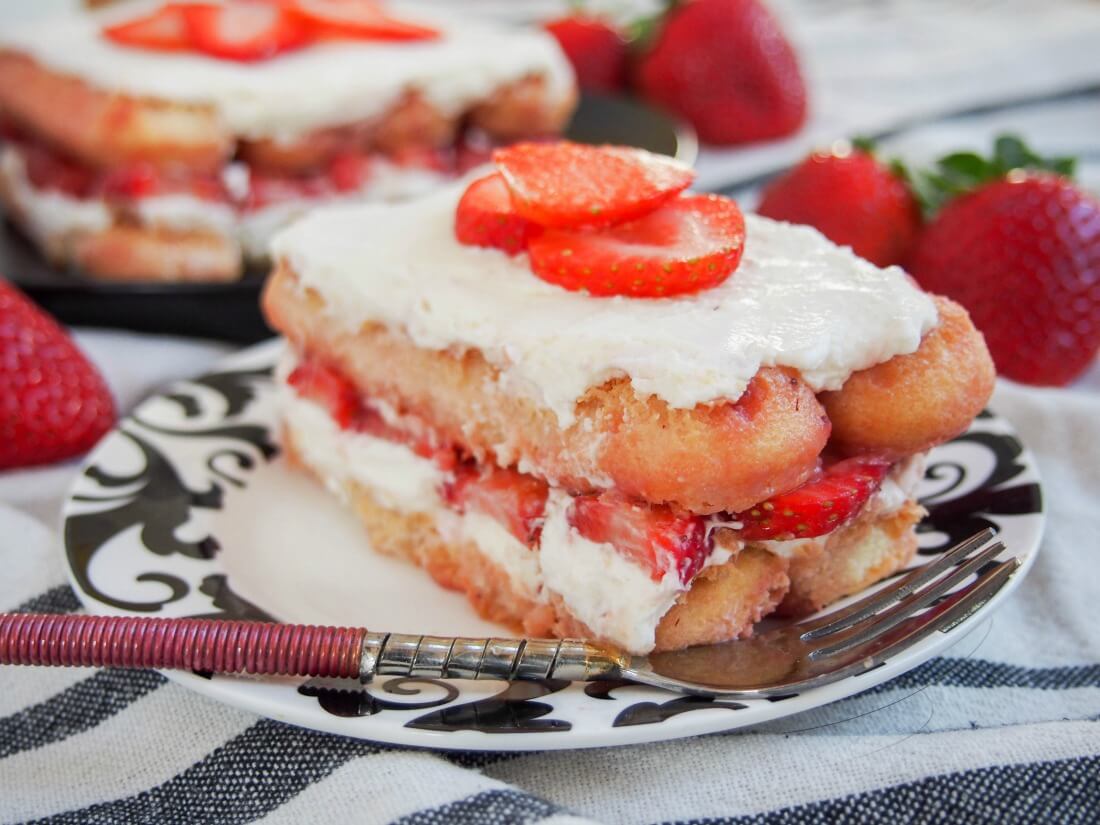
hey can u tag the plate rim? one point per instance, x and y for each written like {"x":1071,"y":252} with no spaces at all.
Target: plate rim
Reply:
{"x":249,"y":694}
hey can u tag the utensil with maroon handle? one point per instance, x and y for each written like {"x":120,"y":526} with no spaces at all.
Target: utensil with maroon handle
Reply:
{"x":786,"y":659}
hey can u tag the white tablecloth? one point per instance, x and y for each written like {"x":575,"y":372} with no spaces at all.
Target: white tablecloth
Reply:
{"x":1004,"y":728}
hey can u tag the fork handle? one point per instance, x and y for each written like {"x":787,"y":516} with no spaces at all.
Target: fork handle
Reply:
{"x":270,"y":649}
{"x":508,"y":659}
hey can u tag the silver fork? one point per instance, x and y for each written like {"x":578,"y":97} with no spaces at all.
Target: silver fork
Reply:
{"x":787,"y":659}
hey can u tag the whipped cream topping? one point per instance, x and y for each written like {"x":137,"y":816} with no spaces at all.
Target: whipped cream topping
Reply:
{"x":796,"y":300}
{"x":321,"y":85}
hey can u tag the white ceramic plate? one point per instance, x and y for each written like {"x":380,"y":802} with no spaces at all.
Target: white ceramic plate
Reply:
{"x":188,"y":510}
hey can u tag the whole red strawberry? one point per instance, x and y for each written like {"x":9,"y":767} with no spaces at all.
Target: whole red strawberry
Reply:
{"x":53,"y":403}
{"x":725,"y":66}
{"x":595,"y":48}
{"x":853,"y":200}
{"x":1022,"y":254}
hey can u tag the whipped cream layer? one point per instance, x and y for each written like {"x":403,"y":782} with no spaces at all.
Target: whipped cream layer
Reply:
{"x":321,"y":85}
{"x":796,"y":300}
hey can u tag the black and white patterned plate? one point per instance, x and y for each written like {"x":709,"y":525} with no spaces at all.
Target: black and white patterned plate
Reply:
{"x":187,"y":509}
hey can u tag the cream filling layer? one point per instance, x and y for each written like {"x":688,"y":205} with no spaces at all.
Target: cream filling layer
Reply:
{"x":796,"y":300}
{"x":616,"y":598}
{"x":322,"y":85}
{"x":51,"y":215}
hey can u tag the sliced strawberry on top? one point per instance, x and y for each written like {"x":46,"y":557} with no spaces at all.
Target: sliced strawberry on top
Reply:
{"x":244,"y":30}
{"x":486,"y":217}
{"x":689,"y":244}
{"x":656,"y":537}
{"x":328,"y":388}
{"x":817,"y":507}
{"x":164,"y":29}
{"x":516,"y":500}
{"x":362,"y":19}
{"x":565,"y":185}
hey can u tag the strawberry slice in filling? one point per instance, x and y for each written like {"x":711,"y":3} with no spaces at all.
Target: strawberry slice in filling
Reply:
{"x":656,"y":538}
{"x":829,"y":500}
{"x":516,"y":500}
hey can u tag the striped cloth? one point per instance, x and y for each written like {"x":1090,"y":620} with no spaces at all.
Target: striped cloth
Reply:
{"x":1005,"y":728}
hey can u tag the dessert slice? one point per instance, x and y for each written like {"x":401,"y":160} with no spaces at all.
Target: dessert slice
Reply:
{"x":601,"y":406}
{"x":171,"y":141}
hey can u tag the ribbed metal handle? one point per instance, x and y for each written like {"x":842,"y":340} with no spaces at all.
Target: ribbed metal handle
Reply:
{"x":445,"y":657}
{"x":216,"y":646}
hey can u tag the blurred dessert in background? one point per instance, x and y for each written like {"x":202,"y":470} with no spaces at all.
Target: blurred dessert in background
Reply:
{"x":168,"y":142}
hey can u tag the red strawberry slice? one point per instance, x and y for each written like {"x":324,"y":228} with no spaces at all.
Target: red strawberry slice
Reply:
{"x":326,"y":387}
{"x":53,"y":172}
{"x":817,"y":507}
{"x":657,"y":538}
{"x":486,"y":217}
{"x":563,"y":184}
{"x":348,"y":171}
{"x":361,"y":19}
{"x":142,"y":180}
{"x":164,"y":29}
{"x":689,"y":244}
{"x":53,"y":402}
{"x":244,"y":30}
{"x":516,"y":500}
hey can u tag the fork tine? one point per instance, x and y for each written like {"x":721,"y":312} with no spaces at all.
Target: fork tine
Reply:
{"x":943,"y":616}
{"x":881,"y":623}
{"x":860,"y":610}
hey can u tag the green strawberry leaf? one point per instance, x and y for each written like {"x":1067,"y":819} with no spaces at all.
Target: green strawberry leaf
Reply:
{"x":1009,"y":152}
{"x":863,"y":144}
{"x":641,"y":32}
{"x":961,"y":172}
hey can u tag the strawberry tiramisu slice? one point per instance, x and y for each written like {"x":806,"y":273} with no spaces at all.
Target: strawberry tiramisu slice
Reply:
{"x":601,"y":406}
{"x":170,"y":140}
